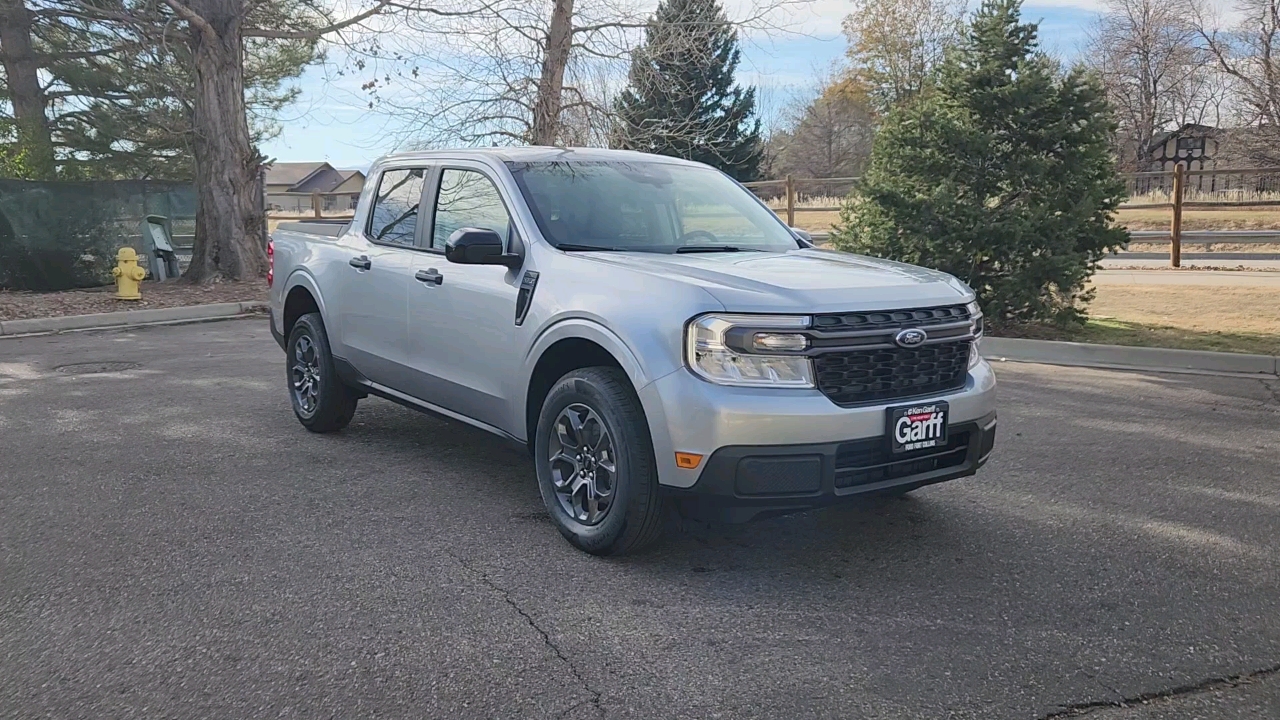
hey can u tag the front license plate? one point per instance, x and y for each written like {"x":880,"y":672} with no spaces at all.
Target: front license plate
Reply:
{"x":918,"y":427}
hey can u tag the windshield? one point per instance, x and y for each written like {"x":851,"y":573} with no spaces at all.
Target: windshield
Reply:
{"x":646,"y":207}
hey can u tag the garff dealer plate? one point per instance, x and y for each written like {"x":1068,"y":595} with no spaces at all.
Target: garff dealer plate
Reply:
{"x":918,"y":427}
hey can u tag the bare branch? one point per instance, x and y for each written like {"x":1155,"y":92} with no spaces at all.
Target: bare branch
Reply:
{"x":318,"y":32}
{"x":193,"y":19}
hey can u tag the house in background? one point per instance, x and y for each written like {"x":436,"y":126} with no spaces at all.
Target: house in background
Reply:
{"x":290,"y":187}
{"x":1194,"y":146}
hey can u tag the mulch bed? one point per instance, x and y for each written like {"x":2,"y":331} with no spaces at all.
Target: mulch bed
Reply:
{"x":23,"y":305}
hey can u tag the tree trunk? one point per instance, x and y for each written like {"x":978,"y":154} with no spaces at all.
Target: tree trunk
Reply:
{"x":229,"y":217}
{"x":546,"y":108}
{"x":22,"y":71}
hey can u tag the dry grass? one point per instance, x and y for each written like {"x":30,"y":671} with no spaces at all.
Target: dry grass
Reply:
{"x":1192,"y":219}
{"x":1188,"y":247}
{"x":1241,"y":218}
{"x":1191,"y":317}
{"x":812,"y":219}
{"x":1193,"y":195}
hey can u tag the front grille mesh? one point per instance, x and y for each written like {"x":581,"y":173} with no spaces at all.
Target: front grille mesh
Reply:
{"x":860,"y":376}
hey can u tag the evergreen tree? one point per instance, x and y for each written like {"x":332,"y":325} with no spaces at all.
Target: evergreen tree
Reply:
{"x":682,"y":99}
{"x":1001,"y":173}
{"x":109,"y":102}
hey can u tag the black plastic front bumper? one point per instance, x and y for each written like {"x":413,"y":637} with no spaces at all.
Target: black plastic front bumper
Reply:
{"x":741,"y":482}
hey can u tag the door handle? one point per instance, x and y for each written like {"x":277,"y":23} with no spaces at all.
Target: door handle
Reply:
{"x":361,"y":262}
{"x":430,"y":276}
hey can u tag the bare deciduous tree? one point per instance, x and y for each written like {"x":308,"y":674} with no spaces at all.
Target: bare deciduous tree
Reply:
{"x":1156,"y":76}
{"x":512,"y":71}
{"x":894,"y":44}
{"x":830,"y":136}
{"x":542,"y":72}
{"x":1247,"y":53}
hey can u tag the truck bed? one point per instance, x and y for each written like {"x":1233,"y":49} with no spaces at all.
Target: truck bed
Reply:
{"x":328,"y":228}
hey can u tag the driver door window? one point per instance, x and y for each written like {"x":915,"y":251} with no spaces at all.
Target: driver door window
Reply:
{"x":468,"y":199}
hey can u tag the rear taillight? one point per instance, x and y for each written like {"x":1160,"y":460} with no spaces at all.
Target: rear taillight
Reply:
{"x":271,"y":262}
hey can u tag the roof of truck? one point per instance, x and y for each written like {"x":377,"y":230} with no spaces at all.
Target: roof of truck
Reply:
{"x":539,"y":154}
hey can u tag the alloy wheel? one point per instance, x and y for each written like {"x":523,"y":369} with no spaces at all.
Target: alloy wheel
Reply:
{"x":305,"y":374}
{"x":584,"y":468}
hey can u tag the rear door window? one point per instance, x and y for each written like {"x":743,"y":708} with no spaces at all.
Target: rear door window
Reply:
{"x":394,"y":219}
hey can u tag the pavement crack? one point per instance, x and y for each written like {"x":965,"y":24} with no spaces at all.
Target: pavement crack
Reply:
{"x":594,"y":695}
{"x":1274,"y":388}
{"x":1108,"y":688}
{"x":1209,"y":685}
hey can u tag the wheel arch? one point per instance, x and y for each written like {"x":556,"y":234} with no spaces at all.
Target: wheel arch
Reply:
{"x":569,"y":346}
{"x":301,"y":296}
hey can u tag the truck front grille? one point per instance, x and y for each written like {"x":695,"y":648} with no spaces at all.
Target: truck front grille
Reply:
{"x":858,"y":362}
{"x":891,"y":319}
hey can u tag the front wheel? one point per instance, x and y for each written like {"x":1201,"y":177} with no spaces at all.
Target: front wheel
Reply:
{"x":321,"y":401}
{"x":595,"y":464}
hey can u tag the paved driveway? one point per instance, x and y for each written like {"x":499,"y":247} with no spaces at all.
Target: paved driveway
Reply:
{"x":174,"y":544}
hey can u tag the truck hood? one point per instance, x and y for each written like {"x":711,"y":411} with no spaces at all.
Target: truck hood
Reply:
{"x":802,"y":281}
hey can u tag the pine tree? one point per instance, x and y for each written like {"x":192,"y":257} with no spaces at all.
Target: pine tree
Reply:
{"x":1000,"y":173}
{"x":114,"y":103}
{"x":682,"y":99}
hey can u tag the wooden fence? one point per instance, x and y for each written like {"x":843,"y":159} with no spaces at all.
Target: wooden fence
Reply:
{"x":790,"y":192}
{"x":317,"y":205}
{"x":1181,"y":188}
{"x":1171,"y":190}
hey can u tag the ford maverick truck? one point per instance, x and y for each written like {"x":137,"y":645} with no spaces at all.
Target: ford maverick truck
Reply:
{"x":650,"y":330}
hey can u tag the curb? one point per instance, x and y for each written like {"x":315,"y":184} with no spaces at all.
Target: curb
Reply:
{"x":1048,"y":352}
{"x":99,"y":321}
{"x":1123,"y":357}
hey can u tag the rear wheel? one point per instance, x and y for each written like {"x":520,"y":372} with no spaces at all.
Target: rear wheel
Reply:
{"x":320,"y":400}
{"x":595,"y":465}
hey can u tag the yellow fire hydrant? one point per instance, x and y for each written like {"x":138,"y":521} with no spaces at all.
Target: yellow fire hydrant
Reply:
{"x":128,"y":274}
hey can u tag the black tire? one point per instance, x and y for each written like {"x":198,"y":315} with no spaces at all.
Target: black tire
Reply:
{"x":334,"y":402}
{"x":635,"y":515}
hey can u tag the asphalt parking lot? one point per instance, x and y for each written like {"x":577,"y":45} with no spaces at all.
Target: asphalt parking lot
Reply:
{"x":174,"y":544}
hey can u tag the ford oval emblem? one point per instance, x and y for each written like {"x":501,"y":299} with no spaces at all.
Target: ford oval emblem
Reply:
{"x":910,"y":337}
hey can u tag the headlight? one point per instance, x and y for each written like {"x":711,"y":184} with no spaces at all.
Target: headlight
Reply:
{"x":745,"y":350}
{"x":975,"y":318}
{"x":975,"y":327}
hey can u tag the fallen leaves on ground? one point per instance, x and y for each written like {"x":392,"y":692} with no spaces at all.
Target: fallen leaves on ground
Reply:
{"x":23,"y":305}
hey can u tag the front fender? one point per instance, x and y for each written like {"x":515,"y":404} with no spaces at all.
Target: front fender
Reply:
{"x":641,"y":369}
{"x":586,"y":329}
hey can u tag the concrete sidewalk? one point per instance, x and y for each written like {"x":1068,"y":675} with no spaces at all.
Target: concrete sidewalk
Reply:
{"x":1126,"y":357}
{"x":1217,"y":278}
{"x":1125,"y":261}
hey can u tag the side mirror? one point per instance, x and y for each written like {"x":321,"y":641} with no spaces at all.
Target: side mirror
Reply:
{"x":803,"y":235}
{"x":478,"y":246}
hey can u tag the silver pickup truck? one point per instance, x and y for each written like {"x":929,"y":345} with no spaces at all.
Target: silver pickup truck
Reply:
{"x":647,"y":327}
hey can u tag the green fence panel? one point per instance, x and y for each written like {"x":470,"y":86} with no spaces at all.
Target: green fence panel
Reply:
{"x":63,"y":235}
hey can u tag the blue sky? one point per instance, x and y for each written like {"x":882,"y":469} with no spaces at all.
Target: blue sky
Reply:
{"x":330,"y":122}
